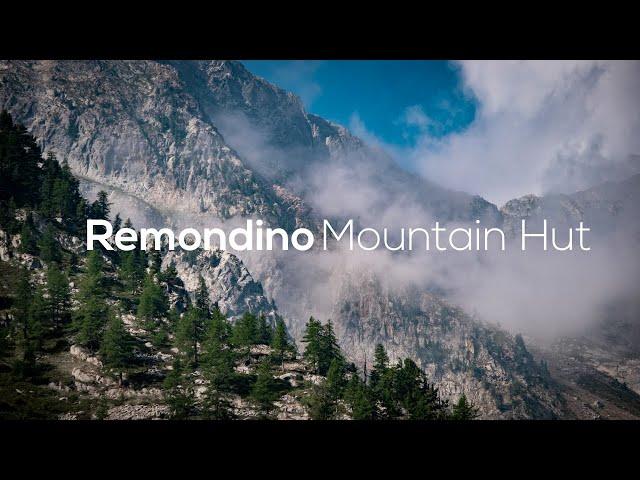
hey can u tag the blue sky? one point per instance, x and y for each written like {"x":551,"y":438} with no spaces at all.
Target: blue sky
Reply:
{"x":396,"y":101}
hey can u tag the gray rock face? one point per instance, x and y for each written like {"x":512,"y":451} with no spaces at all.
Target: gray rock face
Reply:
{"x":230,"y":284}
{"x":461,"y":354}
{"x":135,"y":126}
{"x":138,"y":412}
{"x":289,"y":145}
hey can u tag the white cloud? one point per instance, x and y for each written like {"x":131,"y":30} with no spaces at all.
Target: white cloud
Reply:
{"x":414,"y":116}
{"x":540,"y":126}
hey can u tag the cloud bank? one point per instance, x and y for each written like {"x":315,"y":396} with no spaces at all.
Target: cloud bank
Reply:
{"x":540,"y":127}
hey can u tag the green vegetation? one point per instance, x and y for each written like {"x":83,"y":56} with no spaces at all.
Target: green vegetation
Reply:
{"x":389,"y":392}
{"x":117,"y":348}
{"x":321,"y":346}
{"x":123,"y":309}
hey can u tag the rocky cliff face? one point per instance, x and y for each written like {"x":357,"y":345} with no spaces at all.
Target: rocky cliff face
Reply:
{"x":230,"y":284}
{"x":209,"y":140}
{"x":134,"y":126}
{"x":494,"y":369}
{"x":288,"y":145}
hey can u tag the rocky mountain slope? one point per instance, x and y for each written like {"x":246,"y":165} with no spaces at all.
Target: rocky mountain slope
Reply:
{"x":609,"y":207}
{"x":71,"y":382}
{"x":233,"y":288}
{"x":195,"y":142}
{"x":461,"y":354}
{"x":597,"y":368}
{"x":134,"y":126}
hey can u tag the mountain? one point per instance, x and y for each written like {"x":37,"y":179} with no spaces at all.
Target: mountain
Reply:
{"x":195,"y":142}
{"x":461,"y":354}
{"x":597,"y":367}
{"x":151,"y":130}
{"x":277,"y":137}
{"x":134,"y":126}
{"x":610,"y":206}
{"x":114,"y":334}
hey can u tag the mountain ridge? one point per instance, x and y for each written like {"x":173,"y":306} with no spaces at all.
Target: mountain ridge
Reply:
{"x":163,"y":132}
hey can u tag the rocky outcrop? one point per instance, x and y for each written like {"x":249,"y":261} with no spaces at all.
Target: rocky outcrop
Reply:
{"x":82,"y":354}
{"x":461,"y":354}
{"x":135,"y":126}
{"x":138,"y":412}
{"x":230,"y":284}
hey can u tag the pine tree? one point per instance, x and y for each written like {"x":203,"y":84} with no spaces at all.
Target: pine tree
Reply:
{"x":27,"y":311}
{"x":141,"y":262}
{"x":29,"y":236}
{"x":265,"y":389}
{"x":60,"y":194}
{"x":323,"y":402}
{"x":37,"y":320}
{"x":464,"y":410}
{"x":265,"y":332}
{"x":117,"y":347}
{"x":382,"y":385}
{"x":156,"y":262}
{"x":218,"y":329}
{"x":153,"y":303}
{"x":359,"y":398}
{"x":179,"y":390}
{"x":92,"y":315}
{"x":95,"y":263}
{"x":82,"y":210}
{"x":160,"y":336}
{"x":311,"y":338}
{"x":189,"y":333}
{"x":28,"y":308}
{"x":22,"y":302}
{"x":170,"y":274}
{"x":58,"y":294}
{"x":380,"y":358}
{"x":202,"y":301}
{"x":51,"y":172}
{"x":321,"y":346}
{"x":101,"y":207}
{"x":219,"y":369}
{"x":415,"y":394}
{"x":217,"y":407}
{"x":129,"y":271}
{"x":320,"y":404}
{"x":336,"y":379}
{"x":173,"y":317}
{"x":280,"y":343}
{"x":99,"y":210}
{"x":90,"y":321}
{"x":117,"y":222}
{"x":329,"y":348}
{"x":245,"y":331}
{"x":20,"y":174}
{"x":48,"y":246}
{"x":218,"y":359}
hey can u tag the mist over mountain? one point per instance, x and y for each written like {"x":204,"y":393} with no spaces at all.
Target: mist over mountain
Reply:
{"x":199,"y":143}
